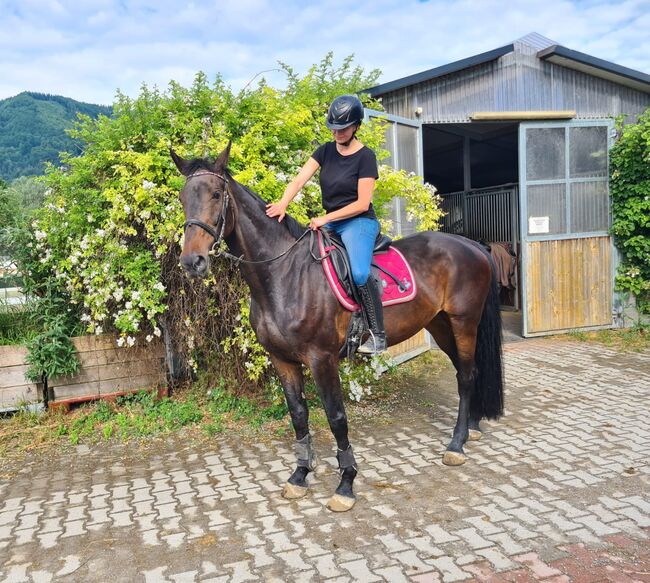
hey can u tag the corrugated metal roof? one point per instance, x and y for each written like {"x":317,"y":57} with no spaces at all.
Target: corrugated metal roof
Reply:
{"x":440,"y":71}
{"x":536,"y":40}
{"x":597,"y":67}
{"x":536,"y":46}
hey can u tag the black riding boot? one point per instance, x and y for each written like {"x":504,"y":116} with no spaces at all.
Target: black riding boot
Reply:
{"x":371,"y":300}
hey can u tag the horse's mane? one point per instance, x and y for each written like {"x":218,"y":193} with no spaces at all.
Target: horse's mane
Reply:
{"x":292,"y":225}
{"x":199,"y":164}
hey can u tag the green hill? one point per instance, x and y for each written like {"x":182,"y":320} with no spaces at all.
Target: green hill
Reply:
{"x":32,"y":131}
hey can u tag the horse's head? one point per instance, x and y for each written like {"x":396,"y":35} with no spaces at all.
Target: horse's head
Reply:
{"x":205,"y":198}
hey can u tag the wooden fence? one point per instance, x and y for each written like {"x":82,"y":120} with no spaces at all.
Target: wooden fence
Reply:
{"x":15,"y":389}
{"x":105,"y":371}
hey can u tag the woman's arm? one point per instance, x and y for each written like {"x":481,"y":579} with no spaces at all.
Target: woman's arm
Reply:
{"x":366,"y":186}
{"x":279,"y":209}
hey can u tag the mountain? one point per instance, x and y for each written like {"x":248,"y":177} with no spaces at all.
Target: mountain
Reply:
{"x":32,"y":131}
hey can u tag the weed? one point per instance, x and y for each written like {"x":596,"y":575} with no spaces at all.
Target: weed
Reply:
{"x":633,"y":339}
{"x":578,"y":335}
{"x":211,"y":411}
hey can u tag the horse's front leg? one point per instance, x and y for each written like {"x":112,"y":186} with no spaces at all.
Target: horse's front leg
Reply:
{"x":326,"y":374}
{"x":292,"y":381}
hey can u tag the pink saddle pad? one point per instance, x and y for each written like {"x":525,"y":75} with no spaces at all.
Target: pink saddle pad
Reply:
{"x":392,"y":261}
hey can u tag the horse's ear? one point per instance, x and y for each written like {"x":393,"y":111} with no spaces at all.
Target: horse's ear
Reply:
{"x":182,"y":165}
{"x":222,"y":160}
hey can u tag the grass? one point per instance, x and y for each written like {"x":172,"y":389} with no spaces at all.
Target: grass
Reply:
{"x":199,"y":412}
{"x":635,"y":339}
{"x":16,"y":325}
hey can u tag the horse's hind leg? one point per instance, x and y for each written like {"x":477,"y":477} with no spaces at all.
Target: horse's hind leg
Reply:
{"x":475,"y":432}
{"x":457,"y":338}
{"x":326,"y":374}
{"x":293,"y":384}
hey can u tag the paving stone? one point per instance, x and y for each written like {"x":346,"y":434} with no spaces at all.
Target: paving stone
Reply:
{"x":555,"y":491}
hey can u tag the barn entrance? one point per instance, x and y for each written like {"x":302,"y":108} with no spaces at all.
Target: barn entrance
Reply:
{"x":537,"y":194}
{"x":475,"y":167}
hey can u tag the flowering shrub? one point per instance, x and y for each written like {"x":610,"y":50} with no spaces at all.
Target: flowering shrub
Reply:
{"x":359,"y":377}
{"x":630,"y":190}
{"x":110,"y":231}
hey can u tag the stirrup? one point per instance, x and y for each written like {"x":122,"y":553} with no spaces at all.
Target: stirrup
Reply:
{"x":375,"y":344}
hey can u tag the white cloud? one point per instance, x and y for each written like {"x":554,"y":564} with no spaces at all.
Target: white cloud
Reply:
{"x":89,"y":50}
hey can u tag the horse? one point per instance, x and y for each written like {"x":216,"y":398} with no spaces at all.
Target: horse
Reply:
{"x":298,"y":320}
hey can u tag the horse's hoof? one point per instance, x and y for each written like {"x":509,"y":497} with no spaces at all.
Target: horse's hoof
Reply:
{"x":475,"y":435}
{"x":454,"y":458}
{"x":293,"y":492}
{"x":338,"y":503}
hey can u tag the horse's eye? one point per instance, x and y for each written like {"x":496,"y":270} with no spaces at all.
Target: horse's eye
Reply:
{"x":216,"y":195}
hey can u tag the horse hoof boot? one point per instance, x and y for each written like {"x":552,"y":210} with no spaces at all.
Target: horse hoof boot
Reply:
{"x":293,"y":492}
{"x":454,"y":458}
{"x":338,"y":503}
{"x":475,"y":435}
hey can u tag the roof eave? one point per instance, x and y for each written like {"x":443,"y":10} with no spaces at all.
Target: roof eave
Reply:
{"x":440,"y":71}
{"x":578,"y":61}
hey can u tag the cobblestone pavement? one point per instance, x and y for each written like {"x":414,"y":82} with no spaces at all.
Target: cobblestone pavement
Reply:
{"x":558,"y":490}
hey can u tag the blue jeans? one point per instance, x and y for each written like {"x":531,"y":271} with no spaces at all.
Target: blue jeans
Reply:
{"x":358,"y":234}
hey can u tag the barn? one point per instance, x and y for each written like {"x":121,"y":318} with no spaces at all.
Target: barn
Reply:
{"x":516,"y":142}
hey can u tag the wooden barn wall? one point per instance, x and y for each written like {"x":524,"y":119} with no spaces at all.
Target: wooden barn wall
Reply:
{"x":515,"y":82}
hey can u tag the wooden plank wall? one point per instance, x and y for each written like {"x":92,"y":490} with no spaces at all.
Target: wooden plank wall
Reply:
{"x":418,"y":341}
{"x":569,"y":284}
{"x":15,"y":389}
{"x":106,"y":369}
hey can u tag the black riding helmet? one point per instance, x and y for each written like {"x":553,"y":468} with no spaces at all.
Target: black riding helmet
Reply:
{"x":345,"y":110}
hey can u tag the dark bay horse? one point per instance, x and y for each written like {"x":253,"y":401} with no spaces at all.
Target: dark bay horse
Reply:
{"x":299,"y":322}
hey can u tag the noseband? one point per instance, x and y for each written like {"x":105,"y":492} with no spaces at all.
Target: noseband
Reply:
{"x":222,"y":217}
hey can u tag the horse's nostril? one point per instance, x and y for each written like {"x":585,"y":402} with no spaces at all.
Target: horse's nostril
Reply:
{"x":200,"y":263}
{"x":195,"y":265}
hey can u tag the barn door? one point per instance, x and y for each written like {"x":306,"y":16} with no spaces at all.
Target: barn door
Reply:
{"x":404,"y":142}
{"x":565,"y":217}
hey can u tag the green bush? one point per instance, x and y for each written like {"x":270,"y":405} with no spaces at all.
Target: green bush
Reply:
{"x":630,"y":190}
{"x":108,"y":236}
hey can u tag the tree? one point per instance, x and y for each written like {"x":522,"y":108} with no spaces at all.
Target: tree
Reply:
{"x":109,"y":232}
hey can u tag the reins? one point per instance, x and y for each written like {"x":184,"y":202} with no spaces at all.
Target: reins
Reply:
{"x":219,"y":236}
{"x":241,"y":259}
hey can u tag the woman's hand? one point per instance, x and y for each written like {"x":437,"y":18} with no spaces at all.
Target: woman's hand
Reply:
{"x":318,"y":222}
{"x":277,"y":209}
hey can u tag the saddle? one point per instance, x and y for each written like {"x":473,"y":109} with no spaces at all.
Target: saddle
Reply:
{"x":388,"y":267}
{"x":341,"y":261}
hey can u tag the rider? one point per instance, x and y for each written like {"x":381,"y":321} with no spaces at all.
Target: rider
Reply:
{"x":348,"y":171}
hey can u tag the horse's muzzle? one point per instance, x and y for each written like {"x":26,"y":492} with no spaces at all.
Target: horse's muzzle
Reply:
{"x":195,"y":265}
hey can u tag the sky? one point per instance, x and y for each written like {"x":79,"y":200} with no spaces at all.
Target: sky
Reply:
{"x":90,"y":49}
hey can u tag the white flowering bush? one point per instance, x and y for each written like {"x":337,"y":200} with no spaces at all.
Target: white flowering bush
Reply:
{"x":359,"y":377}
{"x":108,"y":237}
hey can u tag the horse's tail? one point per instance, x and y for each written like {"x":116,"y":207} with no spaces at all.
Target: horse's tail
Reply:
{"x":487,"y":399}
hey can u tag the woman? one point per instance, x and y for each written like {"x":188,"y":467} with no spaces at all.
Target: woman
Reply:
{"x":348,"y":171}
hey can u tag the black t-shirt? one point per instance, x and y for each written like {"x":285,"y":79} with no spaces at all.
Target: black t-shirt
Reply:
{"x":339,"y":175}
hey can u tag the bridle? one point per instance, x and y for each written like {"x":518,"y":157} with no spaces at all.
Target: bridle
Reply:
{"x":222,"y":217}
